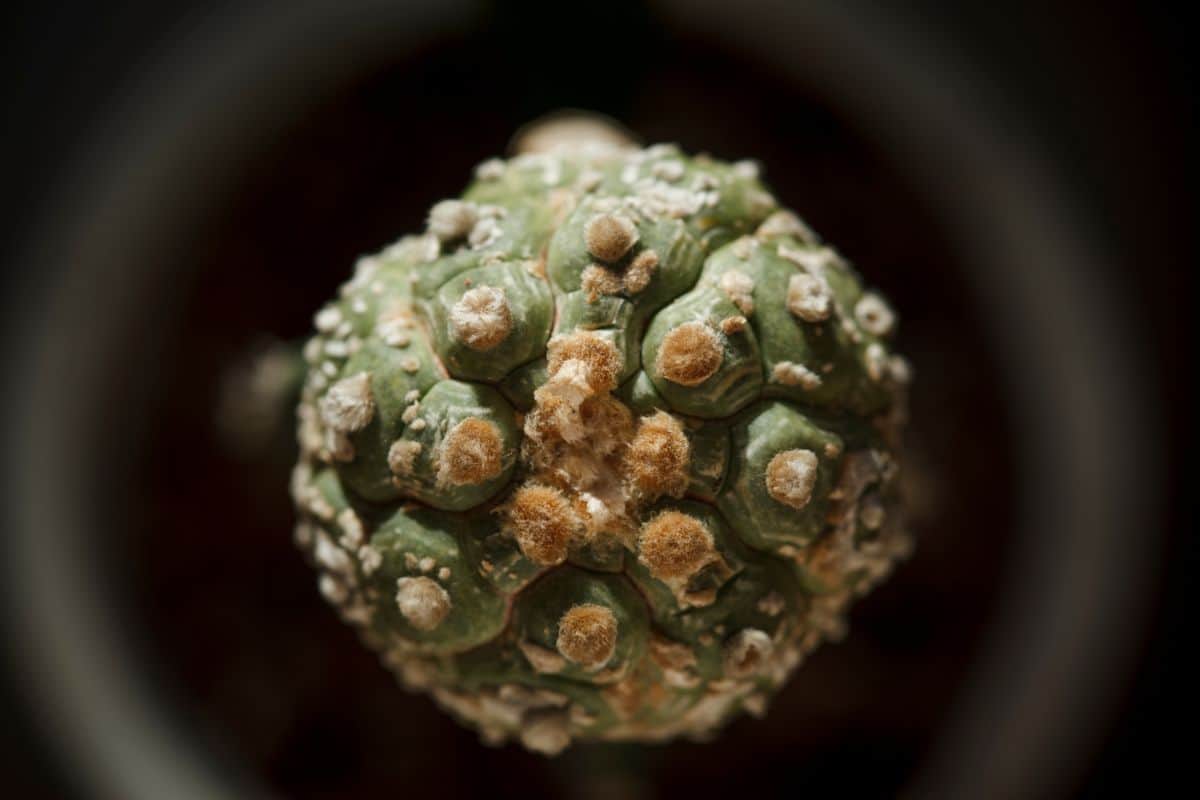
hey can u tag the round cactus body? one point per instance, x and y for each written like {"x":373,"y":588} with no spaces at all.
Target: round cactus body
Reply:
{"x":605,"y":451}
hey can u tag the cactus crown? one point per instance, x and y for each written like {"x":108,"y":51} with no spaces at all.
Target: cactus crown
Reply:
{"x":605,"y":451}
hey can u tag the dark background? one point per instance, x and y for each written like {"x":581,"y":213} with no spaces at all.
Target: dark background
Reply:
{"x":1106,"y":86}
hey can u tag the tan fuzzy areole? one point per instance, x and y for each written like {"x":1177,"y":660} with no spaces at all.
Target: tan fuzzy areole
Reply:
{"x":808,"y":298}
{"x":402,"y":455}
{"x":791,"y":476}
{"x":599,"y":356}
{"x":640,"y":271}
{"x":609,"y":237}
{"x":657,"y":460}
{"x":348,"y":406}
{"x":587,"y":635}
{"x":422,"y":602}
{"x":481,"y":318}
{"x":542,"y":521}
{"x":450,"y":220}
{"x":690,"y":354}
{"x":597,"y":281}
{"x":471,"y":453}
{"x":675,"y":545}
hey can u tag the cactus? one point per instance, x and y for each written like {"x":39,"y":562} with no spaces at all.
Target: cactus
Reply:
{"x":605,"y":451}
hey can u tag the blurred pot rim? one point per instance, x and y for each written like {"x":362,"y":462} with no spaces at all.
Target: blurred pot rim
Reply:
{"x":1063,"y":641}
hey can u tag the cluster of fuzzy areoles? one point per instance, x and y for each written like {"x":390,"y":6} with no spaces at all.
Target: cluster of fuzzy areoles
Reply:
{"x":605,"y":451}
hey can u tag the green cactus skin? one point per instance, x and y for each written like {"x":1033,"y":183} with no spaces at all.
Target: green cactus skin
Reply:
{"x":606,"y":451}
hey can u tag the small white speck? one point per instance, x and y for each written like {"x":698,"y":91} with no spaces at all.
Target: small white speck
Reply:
{"x":485,"y":233}
{"x":899,"y":369}
{"x":451,"y":220}
{"x":814,"y":261}
{"x":747,"y":169}
{"x":369,"y":558}
{"x":671,"y":170}
{"x":312,"y":350}
{"x":739,"y":288}
{"x":744,"y":247}
{"x":303,"y":535}
{"x":790,"y":373}
{"x":876,"y":361}
{"x":352,"y":529}
{"x":333,"y":590}
{"x":589,"y":179}
{"x":327,"y":319}
{"x":874,"y":315}
{"x":772,"y":604}
{"x":331,"y":557}
{"x":490,"y":170}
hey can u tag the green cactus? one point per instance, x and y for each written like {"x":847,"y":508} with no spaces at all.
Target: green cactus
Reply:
{"x":605,"y":451}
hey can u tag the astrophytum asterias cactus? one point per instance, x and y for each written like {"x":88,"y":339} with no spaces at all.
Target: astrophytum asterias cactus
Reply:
{"x":605,"y":451}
